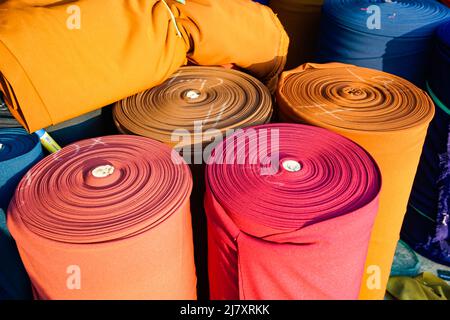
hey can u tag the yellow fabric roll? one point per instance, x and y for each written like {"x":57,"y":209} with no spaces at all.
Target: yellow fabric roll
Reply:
{"x":386,"y":115}
{"x":82,"y":55}
{"x":301,"y":19}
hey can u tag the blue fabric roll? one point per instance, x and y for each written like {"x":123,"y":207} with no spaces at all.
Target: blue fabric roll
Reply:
{"x":265,"y":2}
{"x":14,"y":281}
{"x":400,"y":44}
{"x":440,"y":68}
{"x":19,"y":151}
{"x":425,"y":227}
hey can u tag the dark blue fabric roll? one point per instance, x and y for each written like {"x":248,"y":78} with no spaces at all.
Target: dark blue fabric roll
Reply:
{"x":19,"y":151}
{"x":400,"y":44}
{"x":423,"y":223}
{"x":265,"y":2}
{"x":14,"y":281}
{"x":425,"y":227}
{"x":440,"y":68}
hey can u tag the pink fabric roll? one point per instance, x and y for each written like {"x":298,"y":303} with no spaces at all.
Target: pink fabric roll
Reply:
{"x":296,"y":230}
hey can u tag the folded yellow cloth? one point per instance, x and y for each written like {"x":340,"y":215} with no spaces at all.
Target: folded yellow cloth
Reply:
{"x":85,"y":54}
{"x":425,"y":286}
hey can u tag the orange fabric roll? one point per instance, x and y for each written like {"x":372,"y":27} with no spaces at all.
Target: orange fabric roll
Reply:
{"x":386,"y":115}
{"x":101,"y":51}
{"x":301,"y":19}
{"x":113,"y":222}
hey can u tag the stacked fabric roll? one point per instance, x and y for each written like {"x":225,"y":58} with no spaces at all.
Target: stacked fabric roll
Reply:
{"x":18,"y":152}
{"x":113,"y":223}
{"x":288,"y":235}
{"x":191,"y":112}
{"x":194,"y":106}
{"x":386,"y":115}
{"x":95,"y":61}
{"x":393,"y":36}
{"x":301,"y":19}
{"x":426,"y":224}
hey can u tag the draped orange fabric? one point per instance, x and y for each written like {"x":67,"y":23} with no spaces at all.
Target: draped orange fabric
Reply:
{"x":114,"y":222}
{"x":101,"y":51}
{"x":386,"y":115}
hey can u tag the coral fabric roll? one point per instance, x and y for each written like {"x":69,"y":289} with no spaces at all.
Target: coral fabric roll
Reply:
{"x":101,"y":51}
{"x":392,"y":36}
{"x":386,"y":115}
{"x":294,"y":233}
{"x":106,"y":218}
{"x":301,"y":19}
{"x":196,"y":107}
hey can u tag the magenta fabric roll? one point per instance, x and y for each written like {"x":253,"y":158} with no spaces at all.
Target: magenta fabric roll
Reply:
{"x":290,"y":210}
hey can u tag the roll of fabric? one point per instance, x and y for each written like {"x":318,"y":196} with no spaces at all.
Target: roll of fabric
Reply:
{"x":280,"y":229}
{"x":19,"y":151}
{"x":386,"y":115}
{"x":301,"y":19}
{"x":264,"y":2}
{"x":194,"y":101}
{"x":392,"y":36}
{"x":191,"y":112}
{"x":14,"y":281}
{"x":426,"y":224}
{"x":102,"y":51}
{"x":440,"y":67}
{"x":447,"y":2}
{"x":114,"y":222}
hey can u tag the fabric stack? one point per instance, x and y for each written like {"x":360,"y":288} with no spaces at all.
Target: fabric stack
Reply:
{"x":208,"y":153}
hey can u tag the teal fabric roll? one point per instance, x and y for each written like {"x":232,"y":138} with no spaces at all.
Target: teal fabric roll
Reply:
{"x":19,"y":151}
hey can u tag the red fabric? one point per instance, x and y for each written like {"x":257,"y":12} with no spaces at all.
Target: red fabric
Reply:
{"x":447,"y":2}
{"x":129,"y":231}
{"x":290,"y":235}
